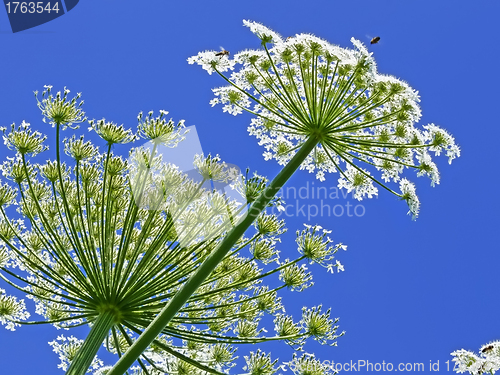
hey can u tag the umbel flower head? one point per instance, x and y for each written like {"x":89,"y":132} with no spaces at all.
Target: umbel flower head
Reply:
{"x":108,"y":242}
{"x":486,"y":362}
{"x":303,"y":87}
{"x":23,"y":140}
{"x":59,"y":109}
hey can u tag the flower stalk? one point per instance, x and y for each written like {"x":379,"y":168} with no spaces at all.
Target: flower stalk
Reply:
{"x":190,"y":287}
{"x":99,"y":331}
{"x":110,"y":242}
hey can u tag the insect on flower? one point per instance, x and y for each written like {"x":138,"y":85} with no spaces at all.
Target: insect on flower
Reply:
{"x":484,"y":363}
{"x":487,"y":348}
{"x":375,"y":40}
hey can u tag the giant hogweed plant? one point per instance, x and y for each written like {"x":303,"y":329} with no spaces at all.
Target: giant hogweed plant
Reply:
{"x":323,"y":108}
{"x":108,"y":241}
{"x":155,"y":262}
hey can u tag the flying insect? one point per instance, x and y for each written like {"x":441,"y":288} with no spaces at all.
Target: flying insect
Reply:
{"x":223,"y":52}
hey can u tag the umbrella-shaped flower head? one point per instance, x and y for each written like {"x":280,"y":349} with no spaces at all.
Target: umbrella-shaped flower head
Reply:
{"x":109,"y":241}
{"x":303,"y":87}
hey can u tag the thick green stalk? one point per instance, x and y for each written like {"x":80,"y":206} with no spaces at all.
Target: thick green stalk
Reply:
{"x":181,"y":297}
{"x":83,"y":359}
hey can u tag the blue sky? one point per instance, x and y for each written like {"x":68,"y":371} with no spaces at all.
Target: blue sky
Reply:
{"x":412,"y":292}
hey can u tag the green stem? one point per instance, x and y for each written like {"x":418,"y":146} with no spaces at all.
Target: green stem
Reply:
{"x":86,"y":354}
{"x":182,"y":296}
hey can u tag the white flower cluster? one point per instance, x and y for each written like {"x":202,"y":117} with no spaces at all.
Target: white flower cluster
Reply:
{"x":354,"y":179}
{"x":487,"y":362}
{"x":12,"y":311}
{"x":316,"y":247}
{"x":59,"y":109}
{"x":209,"y":60}
{"x":409,"y":194}
{"x":161,"y":362}
{"x":66,"y":348}
{"x":303,"y":87}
